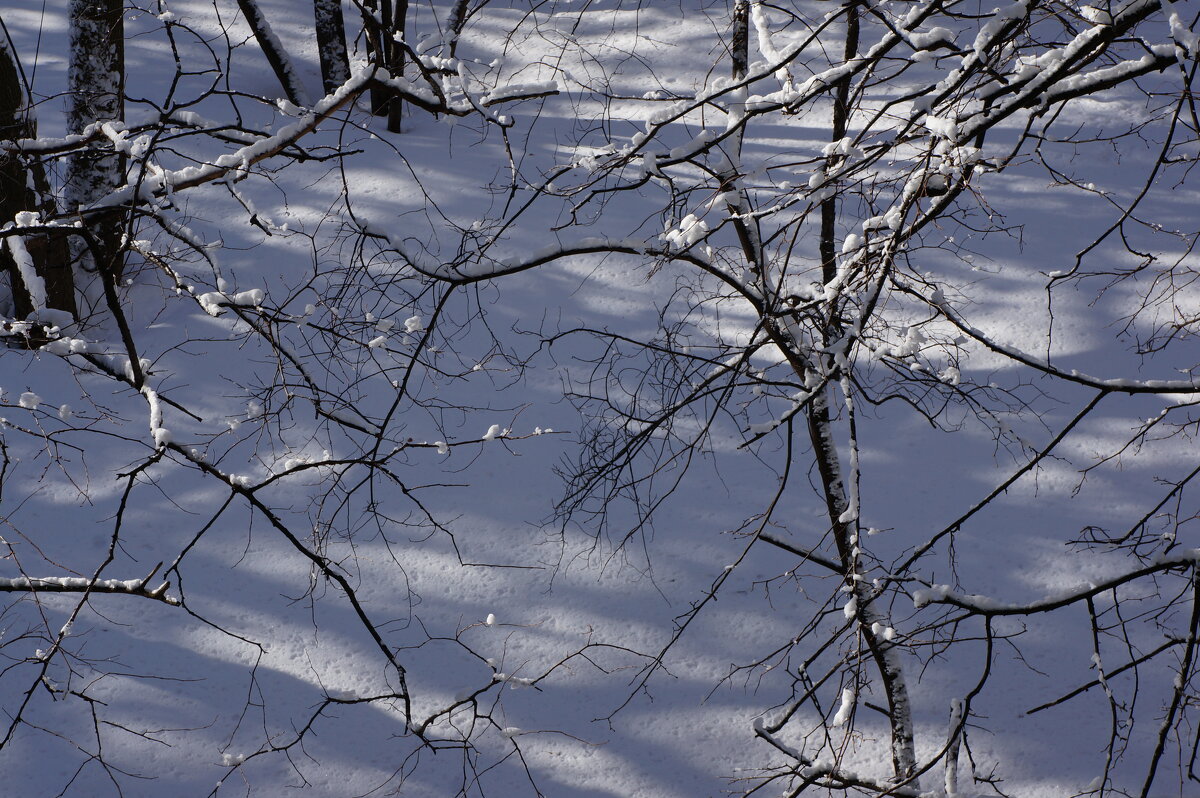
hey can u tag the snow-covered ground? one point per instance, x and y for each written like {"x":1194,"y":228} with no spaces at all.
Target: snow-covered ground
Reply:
{"x":363,"y":468}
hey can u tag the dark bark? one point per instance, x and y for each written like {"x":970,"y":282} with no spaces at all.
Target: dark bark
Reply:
{"x":845,"y":535}
{"x":739,"y":47}
{"x":96,"y":80}
{"x":383,"y":20}
{"x":825,"y":450}
{"x":396,"y":62}
{"x":13,"y":191}
{"x":19,"y":192}
{"x":456,"y":22}
{"x":293,"y":89}
{"x":841,"y":111}
{"x":331,"y":43}
{"x":377,"y":48}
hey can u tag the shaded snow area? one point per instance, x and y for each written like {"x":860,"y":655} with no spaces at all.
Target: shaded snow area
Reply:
{"x":665,"y":400}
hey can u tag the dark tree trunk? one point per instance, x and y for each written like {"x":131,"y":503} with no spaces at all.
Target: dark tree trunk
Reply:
{"x":277,"y":57}
{"x":377,"y":48}
{"x":331,"y":43}
{"x":383,"y":20}
{"x":841,"y":112}
{"x":396,"y":62}
{"x":46,"y":277}
{"x":740,"y":45}
{"x":13,"y":192}
{"x":96,"y":79}
{"x":456,"y":23}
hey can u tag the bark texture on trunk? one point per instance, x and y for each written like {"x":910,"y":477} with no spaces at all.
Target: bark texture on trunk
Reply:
{"x":38,"y":267}
{"x":96,"y":79}
{"x":277,"y":57}
{"x":840,"y":499}
{"x":331,"y":43}
{"x":384,"y":21}
{"x":869,"y":619}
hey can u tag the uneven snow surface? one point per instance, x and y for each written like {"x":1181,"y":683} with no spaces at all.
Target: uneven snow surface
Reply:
{"x":553,"y":446}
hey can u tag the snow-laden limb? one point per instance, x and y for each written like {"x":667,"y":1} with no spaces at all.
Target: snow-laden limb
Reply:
{"x":845,"y":708}
{"x":160,"y":434}
{"x":990,"y":607}
{"x":79,"y":584}
{"x":163,"y":182}
{"x":48,"y":145}
{"x":215,"y":302}
{"x":160,"y":182}
{"x":30,"y":277}
{"x":1185,"y":38}
{"x":136,"y":125}
{"x":957,"y":719}
{"x":514,"y":92}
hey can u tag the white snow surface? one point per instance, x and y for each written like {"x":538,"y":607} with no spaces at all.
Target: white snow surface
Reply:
{"x":573,"y":612}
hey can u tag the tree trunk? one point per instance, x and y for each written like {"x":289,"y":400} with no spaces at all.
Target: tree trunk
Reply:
{"x":277,"y":57}
{"x":37,"y":266}
{"x":739,"y":47}
{"x":455,"y":24}
{"x":96,"y":79}
{"x":396,"y":62}
{"x":828,"y":248}
{"x":13,"y":191}
{"x":841,"y":510}
{"x":331,"y":43}
{"x":377,"y":46}
{"x":383,"y":20}
{"x":868,"y":618}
